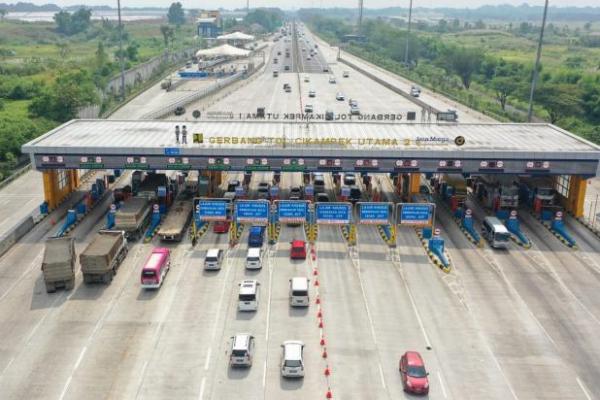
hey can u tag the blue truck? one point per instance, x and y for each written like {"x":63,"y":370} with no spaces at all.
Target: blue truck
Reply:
{"x":256,"y":236}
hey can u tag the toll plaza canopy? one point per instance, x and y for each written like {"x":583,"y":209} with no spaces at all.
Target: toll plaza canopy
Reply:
{"x":327,"y":146}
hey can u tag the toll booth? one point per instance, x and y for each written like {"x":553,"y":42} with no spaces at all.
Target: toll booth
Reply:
{"x":58,"y":184}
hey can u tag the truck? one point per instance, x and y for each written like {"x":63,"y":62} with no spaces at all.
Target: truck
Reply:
{"x":58,"y":264}
{"x":538,"y":193}
{"x":176,"y":221}
{"x":497,"y":192}
{"x":102,"y":257}
{"x":453,"y":189}
{"x":149,"y":185}
{"x":133,"y":217}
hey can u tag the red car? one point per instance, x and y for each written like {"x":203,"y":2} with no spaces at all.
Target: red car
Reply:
{"x":298,"y":250}
{"x":413,"y":373}
{"x":221,"y":227}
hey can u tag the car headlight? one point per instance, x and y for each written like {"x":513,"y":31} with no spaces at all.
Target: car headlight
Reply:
{"x":426,"y":385}
{"x":408,"y":383}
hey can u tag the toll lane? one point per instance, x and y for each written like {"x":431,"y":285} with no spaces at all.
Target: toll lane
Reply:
{"x":529,"y":363}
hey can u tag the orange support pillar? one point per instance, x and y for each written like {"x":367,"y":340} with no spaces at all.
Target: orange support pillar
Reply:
{"x":575,"y":202}
{"x":50,"y":188}
{"x":414,"y":184}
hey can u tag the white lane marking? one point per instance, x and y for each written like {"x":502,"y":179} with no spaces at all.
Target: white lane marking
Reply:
{"x":270,"y":296}
{"x":80,"y":358}
{"x":64,"y":391}
{"x":416,"y":311}
{"x":34,"y":263}
{"x":439,"y":374}
{"x":583,"y":388}
{"x":207,"y":362}
{"x":202,"y":386}
{"x":264,"y":381}
{"x":381,"y":376}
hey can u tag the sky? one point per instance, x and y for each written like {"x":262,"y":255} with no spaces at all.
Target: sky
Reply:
{"x":291,"y":4}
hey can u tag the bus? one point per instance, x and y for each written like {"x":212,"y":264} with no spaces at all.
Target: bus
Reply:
{"x":495,"y":232}
{"x":156,"y":268}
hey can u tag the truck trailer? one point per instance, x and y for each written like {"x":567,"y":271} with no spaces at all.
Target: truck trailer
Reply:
{"x":58,"y":265}
{"x":176,"y":221}
{"x":133,"y":217}
{"x":102,"y":257}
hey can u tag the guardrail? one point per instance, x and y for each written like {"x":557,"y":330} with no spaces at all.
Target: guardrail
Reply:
{"x":15,"y":175}
{"x":170,"y":108}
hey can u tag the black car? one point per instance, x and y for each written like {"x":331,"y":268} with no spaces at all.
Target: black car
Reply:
{"x":180,"y":110}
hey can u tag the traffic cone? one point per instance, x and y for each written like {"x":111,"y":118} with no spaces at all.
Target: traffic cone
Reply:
{"x":324,"y":355}
{"x":315,"y":272}
{"x":327,"y":371}
{"x":319,"y":314}
{"x":322,"y":341}
{"x":320,"y":323}
{"x":318,"y":300}
{"x":316,"y":282}
{"x":328,"y":394}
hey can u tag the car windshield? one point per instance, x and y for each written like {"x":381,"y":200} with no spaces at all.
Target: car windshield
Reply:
{"x":416,"y":372}
{"x":501,"y":237}
{"x":148,"y":273}
{"x":238,"y":353}
{"x":299,"y":293}
{"x":292,"y":363}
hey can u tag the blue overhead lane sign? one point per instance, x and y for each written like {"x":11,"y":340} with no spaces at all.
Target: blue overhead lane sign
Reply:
{"x":212,"y":210}
{"x":292,"y":211}
{"x":374,"y":213}
{"x":252,"y":211}
{"x":416,"y":214}
{"x":333,"y":213}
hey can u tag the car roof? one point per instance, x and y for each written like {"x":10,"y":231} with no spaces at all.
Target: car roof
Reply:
{"x":240,"y":341}
{"x":293,"y":349}
{"x":248,"y":286}
{"x":254,"y":251}
{"x":414,"y":358}
{"x":300,"y":282}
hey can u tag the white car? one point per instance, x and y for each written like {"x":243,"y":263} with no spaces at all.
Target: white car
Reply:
{"x":312,"y":93}
{"x":332,"y":79}
{"x":346,"y":74}
{"x":306,"y":78}
{"x":292,"y":360}
{"x":340,"y":96}
{"x":308,"y":108}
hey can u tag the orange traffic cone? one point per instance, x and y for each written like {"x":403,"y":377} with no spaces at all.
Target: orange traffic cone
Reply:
{"x":319,"y":314}
{"x":327,"y":371}
{"x":324,"y":353}
{"x":322,"y":341}
{"x":315,"y":272}
{"x":318,"y":301}
{"x":328,"y":394}
{"x":320,"y":323}
{"x":316,"y":282}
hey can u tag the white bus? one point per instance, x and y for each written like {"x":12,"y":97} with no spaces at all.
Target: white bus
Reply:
{"x":495,"y":232}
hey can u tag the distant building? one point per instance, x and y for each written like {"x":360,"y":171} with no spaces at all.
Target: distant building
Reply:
{"x":210,"y":23}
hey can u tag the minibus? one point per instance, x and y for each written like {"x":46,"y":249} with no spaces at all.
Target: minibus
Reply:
{"x":156,"y":268}
{"x":495,"y":232}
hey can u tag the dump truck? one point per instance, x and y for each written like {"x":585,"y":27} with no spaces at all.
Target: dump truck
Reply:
{"x":58,"y":265}
{"x":133,"y":217}
{"x":102,"y":257}
{"x":176,"y":222}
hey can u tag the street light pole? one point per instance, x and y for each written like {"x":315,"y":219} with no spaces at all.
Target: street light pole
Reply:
{"x":121,"y":59}
{"x":537,"y":64}
{"x":408,"y":33}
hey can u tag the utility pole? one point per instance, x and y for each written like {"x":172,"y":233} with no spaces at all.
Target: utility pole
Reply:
{"x":121,"y":59}
{"x":408,"y":33}
{"x":360,"y":15}
{"x":537,"y":64}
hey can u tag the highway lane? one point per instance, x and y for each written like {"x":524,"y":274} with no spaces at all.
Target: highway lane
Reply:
{"x":530,"y":363}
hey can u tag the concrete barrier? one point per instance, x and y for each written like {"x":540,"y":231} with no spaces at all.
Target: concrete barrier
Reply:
{"x":10,"y":238}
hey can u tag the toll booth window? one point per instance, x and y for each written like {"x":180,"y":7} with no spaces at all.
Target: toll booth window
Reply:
{"x":62,"y":179}
{"x":562,"y":185}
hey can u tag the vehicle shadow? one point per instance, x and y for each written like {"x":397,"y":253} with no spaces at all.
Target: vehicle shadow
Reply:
{"x":89,"y":291}
{"x":147,"y":294}
{"x":237,"y":373}
{"x":39,"y":298}
{"x":297,"y":312}
{"x":245,"y":315}
{"x":290,"y":383}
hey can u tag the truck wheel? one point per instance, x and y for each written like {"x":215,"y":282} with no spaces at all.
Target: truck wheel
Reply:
{"x":50,"y":288}
{"x":87,"y":279}
{"x":70,"y":284}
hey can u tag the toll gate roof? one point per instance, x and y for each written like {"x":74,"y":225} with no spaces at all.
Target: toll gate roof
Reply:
{"x":352,"y":140}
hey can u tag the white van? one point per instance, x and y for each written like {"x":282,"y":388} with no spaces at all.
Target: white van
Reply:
{"x":292,"y":361}
{"x":248,"y":296}
{"x":495,"y":232}
{"x":299,"y":292}
{"x":253,"y":258}
{"x":242,"y":350}
{"x":213,"y":260}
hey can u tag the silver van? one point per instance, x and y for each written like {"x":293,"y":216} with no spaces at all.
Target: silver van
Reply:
{"x":248,"y":296}
{"x":495,"y":232}
{"x":299,"y":292}
{"x":253,"y":258}
{"x":242,"y":350}
{"x":213,"y":260}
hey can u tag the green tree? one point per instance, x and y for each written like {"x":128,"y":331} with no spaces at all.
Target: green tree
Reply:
{"x":269,"y":19}
{"x":101,"y":56}
{"x":63,"y":22}
{"x":463,"y":61}
{"x":559,"y":100}
{"x":3,"y":13}
{"x":62,"y":100}
{"x":71,"y":24}
{"x":132,"y":51}
{"x":168,"y":34}
{"x":504,"y":86}
{"x":176,"y":14}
